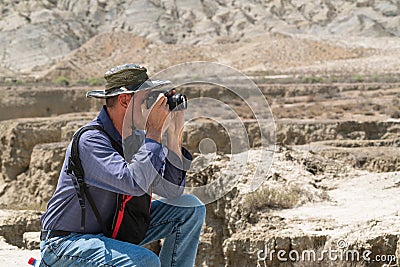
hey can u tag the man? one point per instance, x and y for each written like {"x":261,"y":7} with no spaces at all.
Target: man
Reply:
{"x":107,"y":174}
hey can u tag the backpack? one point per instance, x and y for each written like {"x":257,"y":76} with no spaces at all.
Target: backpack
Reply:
{"x":132,"y":215}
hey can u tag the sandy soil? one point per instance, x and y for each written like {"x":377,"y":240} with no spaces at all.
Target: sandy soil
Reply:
{"x":14,"y":256}
{"x":354,"y":200}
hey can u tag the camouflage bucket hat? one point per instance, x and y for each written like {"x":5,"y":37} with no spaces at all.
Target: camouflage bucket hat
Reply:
{"x":126,"y":79}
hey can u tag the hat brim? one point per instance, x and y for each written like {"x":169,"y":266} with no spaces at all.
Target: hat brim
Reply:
{"x":147,"y":85}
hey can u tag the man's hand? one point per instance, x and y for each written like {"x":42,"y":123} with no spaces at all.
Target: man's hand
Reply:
{"x":156,"y":118}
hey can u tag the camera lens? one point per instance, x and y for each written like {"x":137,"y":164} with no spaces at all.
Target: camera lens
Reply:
{"x":177,"y":102}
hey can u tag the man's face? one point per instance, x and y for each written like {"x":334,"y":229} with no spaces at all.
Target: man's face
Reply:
{"x":139,"y":113}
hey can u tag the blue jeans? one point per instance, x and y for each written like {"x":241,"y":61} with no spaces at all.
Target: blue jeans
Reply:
{"x":180,"y":226}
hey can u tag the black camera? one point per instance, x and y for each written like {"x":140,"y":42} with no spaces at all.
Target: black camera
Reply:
{"x":175,"y":102}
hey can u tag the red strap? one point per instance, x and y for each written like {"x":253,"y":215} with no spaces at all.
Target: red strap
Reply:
{"x":120,"y":216}
{"x":151,"y":193}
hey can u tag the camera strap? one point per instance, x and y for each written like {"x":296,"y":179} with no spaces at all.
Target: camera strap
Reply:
{"x":76,"y":172}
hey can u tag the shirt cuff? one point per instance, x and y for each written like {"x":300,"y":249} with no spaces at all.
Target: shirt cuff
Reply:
{"x":175,"y":160}
{"x":187,"y":159}
{"x":175,"y":168}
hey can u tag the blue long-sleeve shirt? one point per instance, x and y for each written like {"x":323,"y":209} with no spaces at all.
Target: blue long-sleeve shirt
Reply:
{"x":108,"y":173}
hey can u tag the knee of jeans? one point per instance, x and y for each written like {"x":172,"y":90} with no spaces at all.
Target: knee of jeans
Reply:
{"x":150,"y":259}
{"x":201,"y":213}
{"x":198,"y":207}
{"x":190,"y":201}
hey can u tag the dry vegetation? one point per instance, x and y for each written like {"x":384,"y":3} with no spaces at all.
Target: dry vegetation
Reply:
{"x":274,"y":198}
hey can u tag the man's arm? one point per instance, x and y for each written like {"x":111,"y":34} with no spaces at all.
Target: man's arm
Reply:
{"x":106,"y":169}
{"x":173,"y":180}
{"x":178,"y":160}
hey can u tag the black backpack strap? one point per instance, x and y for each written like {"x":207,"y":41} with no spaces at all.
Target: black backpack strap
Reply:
{"x":96,"y":212}
{"x":75,"y":170}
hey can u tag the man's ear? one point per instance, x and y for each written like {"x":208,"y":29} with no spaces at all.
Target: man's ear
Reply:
{"x":124,"y":100}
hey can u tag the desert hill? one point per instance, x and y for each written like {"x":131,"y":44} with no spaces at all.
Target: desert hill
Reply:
{"x":271,"y":52}
{"x":35,"y":36}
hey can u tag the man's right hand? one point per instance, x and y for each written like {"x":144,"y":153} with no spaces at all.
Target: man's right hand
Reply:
{"x":156,"y":119}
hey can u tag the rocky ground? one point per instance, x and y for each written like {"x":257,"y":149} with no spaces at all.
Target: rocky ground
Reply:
{"x":297,"y":210}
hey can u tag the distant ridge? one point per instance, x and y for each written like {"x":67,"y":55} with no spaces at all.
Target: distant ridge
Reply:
{"x":37,"y":35}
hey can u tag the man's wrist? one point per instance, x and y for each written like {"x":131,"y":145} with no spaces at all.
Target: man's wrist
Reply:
{"x":154,"y":135}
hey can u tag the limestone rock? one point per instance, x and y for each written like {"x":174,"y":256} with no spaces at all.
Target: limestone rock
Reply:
{"x":31,"y":240}
{"x":18,"y":137}
{"x":31,"y":101}
{"x":13,"y":225}
{"x":34,"y":188}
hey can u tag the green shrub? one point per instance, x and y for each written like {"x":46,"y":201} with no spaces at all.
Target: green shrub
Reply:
{"x":313,"y":79}
{"x":81,"y":82}
{"x":334,"y":79}
{"x":376,"y":78}
{"x":61,"y":80}
{"x":95,"y":81}
{"x":358,"y":78}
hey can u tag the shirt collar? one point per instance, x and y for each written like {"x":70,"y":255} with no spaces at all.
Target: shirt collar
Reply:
{"x":108,"y":125}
